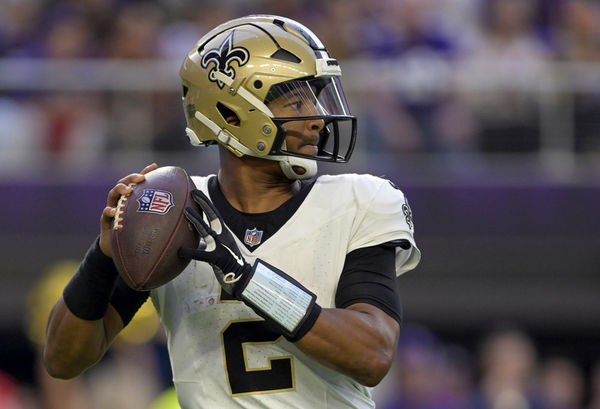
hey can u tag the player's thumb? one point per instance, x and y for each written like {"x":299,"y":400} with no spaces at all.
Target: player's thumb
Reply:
{"x":196,"y":254}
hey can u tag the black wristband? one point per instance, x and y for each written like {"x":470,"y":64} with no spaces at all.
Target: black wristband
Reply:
{"x":88,"y":293}
{"x":127,"y":301}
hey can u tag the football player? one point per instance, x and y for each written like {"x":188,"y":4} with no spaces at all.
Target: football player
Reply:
{"x":291,"y":300}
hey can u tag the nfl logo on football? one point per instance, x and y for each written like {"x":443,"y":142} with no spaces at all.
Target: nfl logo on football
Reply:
{"x":155,"y":201}
{"x":253,"y":237}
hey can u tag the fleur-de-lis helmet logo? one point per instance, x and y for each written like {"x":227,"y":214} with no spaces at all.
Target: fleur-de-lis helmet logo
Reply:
{"x":222,"y":57}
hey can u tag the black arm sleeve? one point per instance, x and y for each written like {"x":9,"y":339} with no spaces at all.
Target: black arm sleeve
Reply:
{"x":127,"y":301}
{"x":369,"y":276}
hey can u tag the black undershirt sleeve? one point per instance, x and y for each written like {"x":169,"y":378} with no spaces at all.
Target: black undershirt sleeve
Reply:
{"x":369,"y":276}
{"x":127,"y":301}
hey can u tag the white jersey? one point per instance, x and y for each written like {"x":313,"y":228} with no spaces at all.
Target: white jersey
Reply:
{"x":216,"y":343}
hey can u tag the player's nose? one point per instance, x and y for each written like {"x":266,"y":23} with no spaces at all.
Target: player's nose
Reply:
{"x":315,"y":125}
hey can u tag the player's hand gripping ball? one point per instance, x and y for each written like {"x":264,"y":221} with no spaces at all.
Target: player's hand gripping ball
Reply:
{"x":218,"y":246}
{"x":150,"y":226}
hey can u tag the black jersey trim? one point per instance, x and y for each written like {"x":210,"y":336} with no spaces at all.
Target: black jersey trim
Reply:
{"x":268,"y":223}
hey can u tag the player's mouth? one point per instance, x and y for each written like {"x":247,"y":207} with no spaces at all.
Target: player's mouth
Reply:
{"x":308,"y":149}
{"x":304,"y":144}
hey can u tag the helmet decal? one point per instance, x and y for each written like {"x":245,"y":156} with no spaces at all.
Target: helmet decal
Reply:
{"x":223,"y":57}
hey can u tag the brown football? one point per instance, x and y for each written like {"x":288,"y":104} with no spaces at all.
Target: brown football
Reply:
{"x":150,"y":226}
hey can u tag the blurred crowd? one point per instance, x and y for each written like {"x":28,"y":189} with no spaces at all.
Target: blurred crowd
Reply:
{"x":505,"y":370}
{"x":440,"y":76}
{"x":444,"y":76}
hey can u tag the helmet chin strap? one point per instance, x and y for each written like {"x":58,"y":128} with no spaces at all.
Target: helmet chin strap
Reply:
{"x":288,"y":163}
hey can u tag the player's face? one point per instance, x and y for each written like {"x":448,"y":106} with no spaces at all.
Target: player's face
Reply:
{"x":302,"y":136}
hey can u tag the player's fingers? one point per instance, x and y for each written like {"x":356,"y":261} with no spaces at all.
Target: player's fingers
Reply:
{"x":205,"y":203}
{"x":185,"y":252}
{"x":195,"y":218}
{"x":208,"y":209}
{"x":149,"y":168}
{"x":138,"y":177}
{"x":206,"y":233}
{"x":123,"y":186}
{"x":132,"y":178}
{"x":109,"y":212}
{"x":106,"y":219}
{"x":196,"y":254}
{"x":115,"y":193}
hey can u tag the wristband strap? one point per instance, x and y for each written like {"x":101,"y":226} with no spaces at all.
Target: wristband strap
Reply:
{"x":306,"y":324}
{"x":88,"y":293}
{"x":279,"y":298}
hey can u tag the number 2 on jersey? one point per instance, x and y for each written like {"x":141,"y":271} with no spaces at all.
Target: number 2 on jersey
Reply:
{"x":276,"y":377}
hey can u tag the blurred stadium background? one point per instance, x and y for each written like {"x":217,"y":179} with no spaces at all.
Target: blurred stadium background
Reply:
{"x":485,"y":112}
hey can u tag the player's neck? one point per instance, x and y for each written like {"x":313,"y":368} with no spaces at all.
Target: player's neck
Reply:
{"x":254,"y":185}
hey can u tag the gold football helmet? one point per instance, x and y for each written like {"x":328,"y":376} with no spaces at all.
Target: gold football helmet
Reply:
{"x":241,"y":67}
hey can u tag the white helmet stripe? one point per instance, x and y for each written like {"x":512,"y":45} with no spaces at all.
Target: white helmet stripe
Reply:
{"x":244,"y":93}
{"x":222,"y":134}
{"x":313,"y":40}
{"x":207,"y":122}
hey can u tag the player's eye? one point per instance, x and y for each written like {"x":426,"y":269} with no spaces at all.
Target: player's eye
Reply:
{"x":295,"y":105}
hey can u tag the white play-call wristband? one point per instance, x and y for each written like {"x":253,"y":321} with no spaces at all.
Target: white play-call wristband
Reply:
{"x":278,"y":296}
